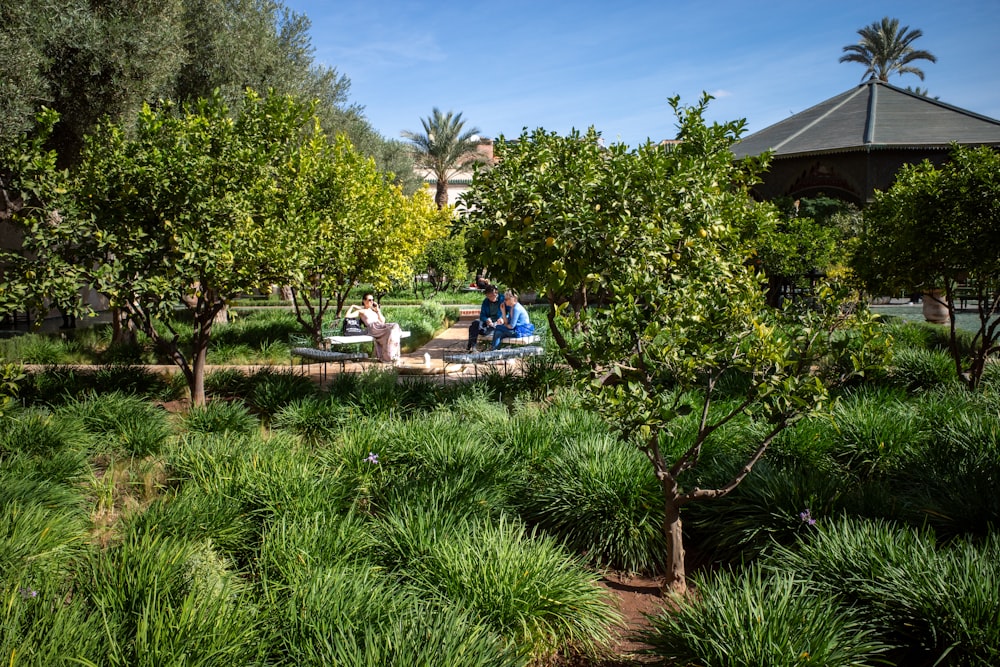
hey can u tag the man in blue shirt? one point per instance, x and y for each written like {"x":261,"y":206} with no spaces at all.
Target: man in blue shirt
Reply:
{"x":489,"y":317}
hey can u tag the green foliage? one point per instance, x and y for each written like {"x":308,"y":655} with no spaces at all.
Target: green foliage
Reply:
{"x":936,"y":228}
{"x":44,"y":623}
{"x":317,"y":420}
{"x":599,"y":497}
{"x":444,"y":263}
{"x":920,"y":370}
{"x":220,"y":417}
{"x":38,"y":201}
{"x":521,"y":585}
{"x":548,"y":215}
{"x":169,"y":203}
{"x":163,"y":597}
{"x":269,"y":390}
{"x":444,"y":147}
{"x":754,"y":618}
{"x":336,"y":615}
{"x":120,"y":422}
{"x":359,"y":228}
{"x":885,"y":48}
{"x":947,"y":483}
{"x":937,"y":600}
{"x":40,"y":433}
{"x":773,"y":506}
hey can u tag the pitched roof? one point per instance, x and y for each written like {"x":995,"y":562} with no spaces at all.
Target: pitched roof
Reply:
{"x":872,"y":116}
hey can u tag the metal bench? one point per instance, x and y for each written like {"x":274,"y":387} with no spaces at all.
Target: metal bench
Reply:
{"x":504,"y":354}
{"x":312,"y":354}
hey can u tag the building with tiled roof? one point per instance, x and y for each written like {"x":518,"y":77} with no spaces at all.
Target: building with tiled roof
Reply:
{"x":854,"y":143}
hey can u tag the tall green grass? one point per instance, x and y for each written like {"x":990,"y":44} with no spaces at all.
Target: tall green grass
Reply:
{"x":521,"y":585}
{"x":161,"y":598}
{"x":934,"y":601}
{"x":753,"y":618}
{"x":340,"y":616}
{"x":121,"y":423}
{"x":600,"y":497}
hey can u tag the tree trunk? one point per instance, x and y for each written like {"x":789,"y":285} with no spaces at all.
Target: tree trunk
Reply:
{"x":441,"y":194}
{"x":122,"y":328}
{"x":675,"y":579}
{"x":199,"y":355}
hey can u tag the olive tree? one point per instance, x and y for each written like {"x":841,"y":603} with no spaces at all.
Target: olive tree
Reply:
{"x":664,"y":233}
{"x":937,"y":228}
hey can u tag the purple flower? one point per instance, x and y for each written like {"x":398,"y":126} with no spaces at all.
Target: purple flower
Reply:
{"x":807,"y":518}
{"x":372,"y":457}
{"x":27,"y":593}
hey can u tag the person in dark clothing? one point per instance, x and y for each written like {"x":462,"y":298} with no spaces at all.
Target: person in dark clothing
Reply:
{"x":490,"y":316}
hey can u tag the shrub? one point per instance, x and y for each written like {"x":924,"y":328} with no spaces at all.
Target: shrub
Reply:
{"x":600,"y":498}
{"x":751,"y":618}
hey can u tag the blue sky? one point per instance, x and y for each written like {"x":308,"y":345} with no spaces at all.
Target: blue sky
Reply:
{"x":559,"y":65}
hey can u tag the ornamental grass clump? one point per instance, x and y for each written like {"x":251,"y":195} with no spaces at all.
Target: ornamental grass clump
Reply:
{"x":343,"y":616}
{"x":776,"y":505}
{"x":38,"y":432}
{"x":932,"y":600}
{"x":40,"y":535}
{"x":875,"y":433}
{"x":521,"y":585}
{"x":34,"y":348}
{"x":269,"y":390}
{"x":950,"y":485}
{"x":42,"y":621}
{"x":220,"y":417}
{"x":161,"y":597}
{"x":121,"y":423}
{"x":920,"y":370}
{"x":315,"y":419}
{"x":322,"y":540}
{"x":599,"y":497}
{"x":753,"y":618}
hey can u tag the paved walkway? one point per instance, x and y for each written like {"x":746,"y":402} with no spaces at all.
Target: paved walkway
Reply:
{"x":451,"y":340}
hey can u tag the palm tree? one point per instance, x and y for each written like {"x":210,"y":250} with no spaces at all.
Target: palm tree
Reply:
{"x":885,"y":48}
{"x":444,"y":147}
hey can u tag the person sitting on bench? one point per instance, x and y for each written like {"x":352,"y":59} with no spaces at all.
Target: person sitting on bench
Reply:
{"x":516,"y":322}
{"x":385,"y":334}
{"x":490,"y":316}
